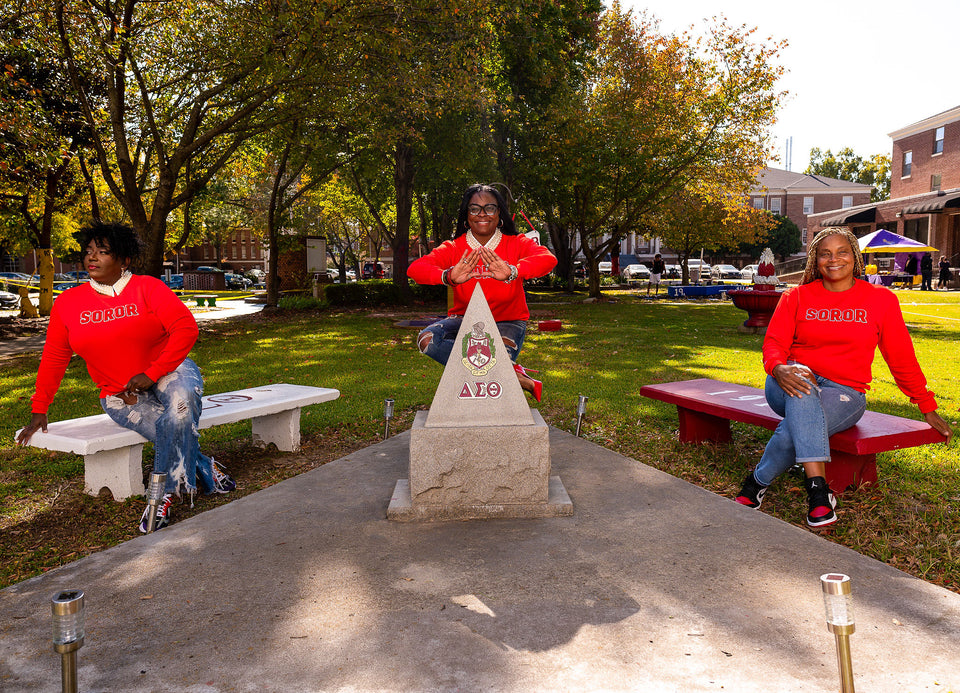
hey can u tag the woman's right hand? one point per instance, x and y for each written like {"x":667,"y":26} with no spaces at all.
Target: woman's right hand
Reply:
{"x":790,"y":381}
{"x":38,"y":421}
{"x":465,"y":270}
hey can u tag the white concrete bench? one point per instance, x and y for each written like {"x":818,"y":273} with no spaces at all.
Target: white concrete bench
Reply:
{"x":112,"y":454}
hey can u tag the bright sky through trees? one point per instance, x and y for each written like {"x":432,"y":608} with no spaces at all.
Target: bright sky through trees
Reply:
{"x":857,"y":70}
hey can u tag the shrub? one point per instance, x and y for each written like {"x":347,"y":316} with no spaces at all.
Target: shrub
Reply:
{"x":380,"y":292}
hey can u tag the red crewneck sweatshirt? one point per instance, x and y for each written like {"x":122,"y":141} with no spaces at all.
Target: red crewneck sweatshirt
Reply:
{"x":506,"y":299}
{"x":146,"y":329}
{"x":836,"y":334}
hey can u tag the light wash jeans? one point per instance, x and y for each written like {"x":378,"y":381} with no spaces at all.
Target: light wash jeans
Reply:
{"x":445,"y":334}
{"x":808,"y":422}
{"x":168,"y":415}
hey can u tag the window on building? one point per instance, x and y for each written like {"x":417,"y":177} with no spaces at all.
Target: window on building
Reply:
{"x":758,"y":203}
{"x":907,"y":164}
{"x":206,"y":252}
{"x":934,"y":182}
{"x":847,"y":201}
{"x":938,"y":141}
{"x":243,"y":251}
{"x":775,"y":205}
{"x":808,"y":205}
{"x":803,"y":236}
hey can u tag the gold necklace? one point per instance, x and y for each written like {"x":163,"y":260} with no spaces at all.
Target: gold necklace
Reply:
{"x":491,"y":244}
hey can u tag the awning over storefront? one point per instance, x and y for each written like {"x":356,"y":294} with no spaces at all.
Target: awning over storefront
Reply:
{"x":861,"y":214}
{"x":934,"y":206}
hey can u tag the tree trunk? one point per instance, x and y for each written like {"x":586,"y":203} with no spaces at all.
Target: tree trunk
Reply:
{"x":403,"y":175}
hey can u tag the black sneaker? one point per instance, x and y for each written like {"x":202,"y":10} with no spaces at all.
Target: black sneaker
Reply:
{"x":751,"y":493}
{"x":222,"y":482}
{"x":163,"y":514}
{"x":822,"y":502}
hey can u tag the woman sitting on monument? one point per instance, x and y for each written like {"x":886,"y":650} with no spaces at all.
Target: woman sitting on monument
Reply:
{"x":817,"y":353}
{"x":134,"y":334}
{"x":486,"y":249}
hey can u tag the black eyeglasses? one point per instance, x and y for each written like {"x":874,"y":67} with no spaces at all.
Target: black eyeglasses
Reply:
{"x":489,"y":209}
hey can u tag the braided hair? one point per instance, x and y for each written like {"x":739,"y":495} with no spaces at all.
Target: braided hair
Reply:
{"x":811,"y":273}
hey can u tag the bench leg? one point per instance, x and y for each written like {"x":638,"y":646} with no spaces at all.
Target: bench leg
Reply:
{"x":119,"y":470}
{"x":697,"y":427}
{"x":846,"y":471}
{"x":283,"y":430}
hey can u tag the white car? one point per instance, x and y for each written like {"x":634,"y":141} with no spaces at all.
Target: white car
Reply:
{"x":8,"y":300}
{"x":699,"y":270}
{"x":636,"y":272}
{"x":748,"y":272}
{"x":605,"y":267}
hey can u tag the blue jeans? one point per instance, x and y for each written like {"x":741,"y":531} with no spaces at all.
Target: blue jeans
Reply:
{"x":444,"y":333}
{"x":808,"y":422}
{"x":168,"y":415}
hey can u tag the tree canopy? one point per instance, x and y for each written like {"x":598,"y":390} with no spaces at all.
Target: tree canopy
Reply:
{"x":847,"y":165}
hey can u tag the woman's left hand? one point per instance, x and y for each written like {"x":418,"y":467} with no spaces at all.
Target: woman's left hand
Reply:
{"x":138,"y":383}
{"x":497,"y":267}
{"x":934,"y":419}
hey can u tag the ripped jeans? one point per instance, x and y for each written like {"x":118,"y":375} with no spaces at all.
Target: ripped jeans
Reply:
{"x":444,"y":333}
{"x":168,"y":415}
{"x":808,"y":422}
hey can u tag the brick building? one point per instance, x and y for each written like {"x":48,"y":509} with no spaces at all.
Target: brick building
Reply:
{"x":924,"y":199}
{"x":798,"y":196}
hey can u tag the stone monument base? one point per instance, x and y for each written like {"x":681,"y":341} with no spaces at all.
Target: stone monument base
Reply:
{"x":470,"y":472}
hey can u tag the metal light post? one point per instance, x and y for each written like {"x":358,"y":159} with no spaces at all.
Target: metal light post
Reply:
{"x":581,"y":410}
{"x":68,"y":631}
{"x":154,"y":493}
{"x":387,"y":415}
{"x":838,"y":603}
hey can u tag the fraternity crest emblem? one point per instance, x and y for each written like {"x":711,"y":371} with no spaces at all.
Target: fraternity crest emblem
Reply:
{"x":479,"y":353}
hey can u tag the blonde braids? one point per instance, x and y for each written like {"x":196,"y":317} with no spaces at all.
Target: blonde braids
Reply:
{"x":811,"y":273}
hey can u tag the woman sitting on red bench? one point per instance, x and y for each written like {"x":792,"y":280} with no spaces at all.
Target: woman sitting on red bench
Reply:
{"x":817,"y":354}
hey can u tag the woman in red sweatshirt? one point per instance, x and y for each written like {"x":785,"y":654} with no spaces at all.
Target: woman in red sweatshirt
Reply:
{"x":486,"y":249}
{"x":134,"y":335}
{"x":817,"y":353}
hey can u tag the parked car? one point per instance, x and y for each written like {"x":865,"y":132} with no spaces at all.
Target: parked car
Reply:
{"x":8,"y":300}
{"x":19,"y":277}
{"x":174,"y":282}
{"x":605,"y":267}
{"x":748,"y":272}
{"x":672,"y":272}
{"x":722,"y":273}
{"x":207,"y":268}
{"x":236,"y":282}
{"x":63,"y":286}
{"x":256,"y":274}
{"x":373,"y":270}
{"x":637,"y":272}
{"x":77,"y":275}
{"x":699,"y":270}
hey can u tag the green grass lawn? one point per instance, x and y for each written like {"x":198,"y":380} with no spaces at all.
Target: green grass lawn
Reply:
{"x":606,"y":350}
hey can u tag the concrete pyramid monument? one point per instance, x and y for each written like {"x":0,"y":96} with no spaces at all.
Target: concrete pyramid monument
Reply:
{"x":480,"y":451}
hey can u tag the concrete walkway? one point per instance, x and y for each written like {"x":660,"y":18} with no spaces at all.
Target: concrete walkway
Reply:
{"x":653,"y":585}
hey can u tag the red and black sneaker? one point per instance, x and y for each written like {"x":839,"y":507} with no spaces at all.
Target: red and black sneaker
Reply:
{"x":822,"y":502}
{"x":163,"y":514}
{"x":751,"y":493}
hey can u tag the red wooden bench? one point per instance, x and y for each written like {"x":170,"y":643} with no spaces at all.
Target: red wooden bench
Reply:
{"x":706,"y":407}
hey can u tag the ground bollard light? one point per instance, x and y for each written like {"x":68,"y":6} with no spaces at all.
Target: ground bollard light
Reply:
{"x":387,"y":415}
{"x":838,"y":604}
{"x":581,"y":410}
{"x":68,"y":632}
{"x":154,"y":494}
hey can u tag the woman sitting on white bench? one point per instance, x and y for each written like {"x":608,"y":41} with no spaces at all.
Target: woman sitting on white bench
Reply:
{"x":134,"y":335}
